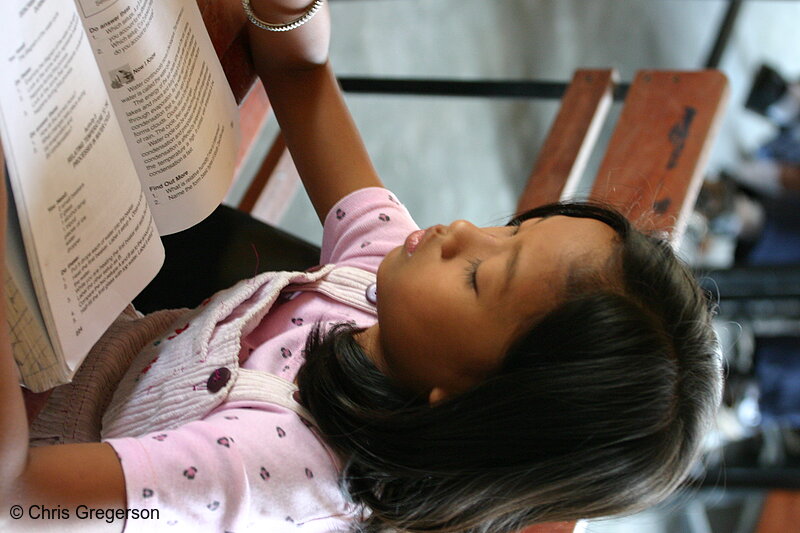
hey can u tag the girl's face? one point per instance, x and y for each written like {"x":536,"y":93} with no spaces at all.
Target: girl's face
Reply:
{"x":452,"y":299}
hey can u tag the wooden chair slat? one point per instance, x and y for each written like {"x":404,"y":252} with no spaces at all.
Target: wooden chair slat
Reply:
{"x":273,"y":186}
{"x":564,"y":154}
{"x":652,"y":170}
{"x":254,"y":111}
{"x":781,"y":512}
{"x":276,"y":157}
{"x":551,"y":527}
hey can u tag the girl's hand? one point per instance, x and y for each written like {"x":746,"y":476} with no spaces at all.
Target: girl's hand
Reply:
{"x":299,"y":49}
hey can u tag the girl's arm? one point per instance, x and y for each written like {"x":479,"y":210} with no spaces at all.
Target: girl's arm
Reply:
{"x":51,"y":477}
{"x":319,"y":131}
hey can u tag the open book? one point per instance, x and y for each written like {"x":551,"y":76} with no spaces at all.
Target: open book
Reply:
{"x":118,"y":125}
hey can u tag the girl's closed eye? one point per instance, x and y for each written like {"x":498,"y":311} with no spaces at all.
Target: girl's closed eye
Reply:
{"x":472,"y":273}
{"x":472,"y":269}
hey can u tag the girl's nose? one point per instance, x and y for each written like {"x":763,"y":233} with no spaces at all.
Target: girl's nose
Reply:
{"x":462,"y":236}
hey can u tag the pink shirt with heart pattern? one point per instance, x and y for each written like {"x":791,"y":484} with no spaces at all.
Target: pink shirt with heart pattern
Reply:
{"x":251,"y":465}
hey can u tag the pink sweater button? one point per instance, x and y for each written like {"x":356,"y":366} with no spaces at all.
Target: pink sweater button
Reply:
{"x":372,"y":294}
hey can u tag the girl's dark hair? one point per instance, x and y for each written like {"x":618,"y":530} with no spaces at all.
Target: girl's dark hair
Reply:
{"x":599,"y":409}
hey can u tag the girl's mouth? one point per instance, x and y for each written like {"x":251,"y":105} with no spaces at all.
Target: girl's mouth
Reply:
{"x":413,"y":240}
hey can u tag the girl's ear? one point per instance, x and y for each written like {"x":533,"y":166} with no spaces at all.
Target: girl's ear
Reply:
{"x":436,"y":395}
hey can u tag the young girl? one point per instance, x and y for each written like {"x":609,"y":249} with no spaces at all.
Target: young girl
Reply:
{"x":450,"y":379}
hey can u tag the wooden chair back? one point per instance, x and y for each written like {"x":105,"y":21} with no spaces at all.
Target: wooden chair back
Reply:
{"x":653,"y":166}
{"x":781,"y":509}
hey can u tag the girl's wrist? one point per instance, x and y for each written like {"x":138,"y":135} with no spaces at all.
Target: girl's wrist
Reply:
{"x":279,"y":11}
{"x":304,"y":47}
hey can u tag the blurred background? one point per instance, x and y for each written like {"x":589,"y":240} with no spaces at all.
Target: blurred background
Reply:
{"x":457,"y":157}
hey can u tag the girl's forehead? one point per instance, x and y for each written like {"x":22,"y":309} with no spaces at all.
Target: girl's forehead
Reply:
{"x":553,"y":247}
{"x":613,"y":219}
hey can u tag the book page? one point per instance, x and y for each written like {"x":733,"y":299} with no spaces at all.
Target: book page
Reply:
{"x":90,"y":242}
{"x":34,"y":353}
{"x":173,"y":102}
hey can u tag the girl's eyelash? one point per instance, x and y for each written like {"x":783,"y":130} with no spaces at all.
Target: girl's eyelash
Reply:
{"x":472,"y":269}
{"x":472,"y":273}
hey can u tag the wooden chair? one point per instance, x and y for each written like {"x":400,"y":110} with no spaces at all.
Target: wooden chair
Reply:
{"x":653,"y":166}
